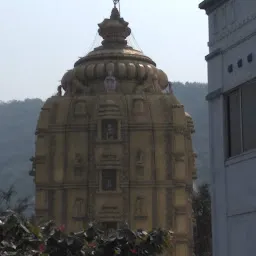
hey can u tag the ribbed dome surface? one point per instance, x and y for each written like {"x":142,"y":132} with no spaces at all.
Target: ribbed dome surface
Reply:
{"x":118,"y":59}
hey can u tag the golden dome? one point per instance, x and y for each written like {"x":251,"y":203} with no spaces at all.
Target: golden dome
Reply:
{"x":115,"y":57}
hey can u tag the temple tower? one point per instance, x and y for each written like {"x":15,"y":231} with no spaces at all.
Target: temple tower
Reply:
{"x":111,"y":147}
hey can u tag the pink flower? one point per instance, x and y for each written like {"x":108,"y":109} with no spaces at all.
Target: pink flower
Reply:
{"x":61,"y":228}
{"x":133,"y":251}
{"x":93,"y":245}
{"x":41,"y":247}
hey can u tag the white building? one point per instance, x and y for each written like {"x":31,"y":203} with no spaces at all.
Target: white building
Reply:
{"x":232,"y":117}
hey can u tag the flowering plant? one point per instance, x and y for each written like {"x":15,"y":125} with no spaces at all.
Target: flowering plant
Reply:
{"x":18,"y":237}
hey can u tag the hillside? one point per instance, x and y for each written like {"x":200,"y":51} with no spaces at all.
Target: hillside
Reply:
{"x":18,"y":122}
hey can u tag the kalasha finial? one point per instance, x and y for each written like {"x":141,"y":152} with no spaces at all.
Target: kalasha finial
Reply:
{"x":114,"y":30}
{"x":116,"y":2}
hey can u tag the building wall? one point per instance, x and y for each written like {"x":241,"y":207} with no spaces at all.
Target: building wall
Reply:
{"x":232,"y":36}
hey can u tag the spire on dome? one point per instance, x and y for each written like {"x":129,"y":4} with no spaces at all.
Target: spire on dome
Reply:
{"x":114,"y":30}
{"x":116,"y":2}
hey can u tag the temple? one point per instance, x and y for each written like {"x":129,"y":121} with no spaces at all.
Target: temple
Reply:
{"x":112,"y":147}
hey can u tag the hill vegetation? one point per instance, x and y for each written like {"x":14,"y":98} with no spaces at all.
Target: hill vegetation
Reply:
{"x":18,"y":122}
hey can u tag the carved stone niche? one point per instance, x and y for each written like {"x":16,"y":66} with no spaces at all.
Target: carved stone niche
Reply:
{"x":138,"y":105}
{"x":193,"y":167}
{"x":110,"y":83}
{"x":109,"y":157}
{"x":178,"y":157}
{"x":79,"y":212}
{"x":78,"y":165}
{"x":140,"y":211}
{"x":139,"y":163}
{"x":80,"y":108}
{"x":109,"y":129}
{"x":109,"y":212}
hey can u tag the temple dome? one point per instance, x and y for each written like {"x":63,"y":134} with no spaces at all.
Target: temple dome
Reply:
{"x":115,"y":57}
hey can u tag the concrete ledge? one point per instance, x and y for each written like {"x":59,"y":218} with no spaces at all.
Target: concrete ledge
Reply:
{"x":213,"y":54}
{"x":214,"y":95}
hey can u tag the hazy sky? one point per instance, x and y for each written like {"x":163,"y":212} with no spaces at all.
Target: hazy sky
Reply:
{"x":40,"y":40}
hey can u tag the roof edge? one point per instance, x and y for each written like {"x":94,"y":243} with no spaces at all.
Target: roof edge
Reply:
{"x":210,"y":5}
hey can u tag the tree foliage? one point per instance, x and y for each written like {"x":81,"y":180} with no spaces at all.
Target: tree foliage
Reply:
{"x":202,"y":216}
{"x":8,"y":201}
{"x":18,"y":237}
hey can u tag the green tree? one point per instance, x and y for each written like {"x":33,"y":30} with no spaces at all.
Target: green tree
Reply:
{"x":202,"y":218}
{"x":8,"y":201}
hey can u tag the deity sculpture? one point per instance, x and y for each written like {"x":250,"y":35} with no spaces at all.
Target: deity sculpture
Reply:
{"x":139,"y":157}
{"x":139,"y":206}
{"x":59,"y":90}
{"x":110,"y":132}
{"x":79,"y":208}
{"x":110,"y":83}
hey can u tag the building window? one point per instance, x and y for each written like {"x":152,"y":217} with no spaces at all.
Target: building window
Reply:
{"x":108,"y":180}
{"x":249,"y":58}
{"x":241,"y":122}
{"x":234,"y":123}
{"x":230,"y":68}
{"x":109,"y":129}
{"x":248,"y":96}
{"x":240,"y":63}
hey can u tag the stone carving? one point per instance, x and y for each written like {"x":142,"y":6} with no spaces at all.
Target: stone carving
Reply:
{"x":78,"y":159}
{"x":156,"y":86}
{"x":108,"y":156}
{"x":109,"y":129}
{"x":78,"y":163}
{"x":79,"y":208}
{"x":80,"y":108}
{"x":142,"y":88}
{"x":110,"y":83}
{"x":140,"y":157}
{"x":110,"y":132}
{"x":193,"y":167}
{"x":140,"y":163}
{"x":32,"y":172}
{"x":140,"y":207}
{"x":139,"y":89}
{"x":178,"y":157}
{"x":74,"y":86}
{"x":138,"y":106}
{"x":59,"y":90}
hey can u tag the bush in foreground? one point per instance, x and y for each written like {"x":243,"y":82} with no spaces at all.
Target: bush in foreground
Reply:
{"x":18,"y":237}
